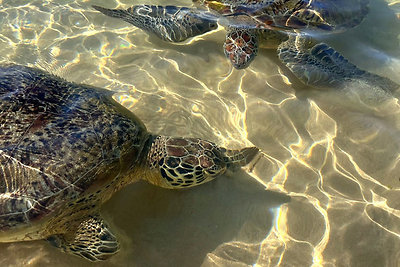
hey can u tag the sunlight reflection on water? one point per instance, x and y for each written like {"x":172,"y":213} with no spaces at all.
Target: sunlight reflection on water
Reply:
{"x":334,"y":153}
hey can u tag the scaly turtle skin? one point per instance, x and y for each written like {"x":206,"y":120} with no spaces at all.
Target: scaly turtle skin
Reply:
{"x":287,"y":23}
{"x":66,"y":148}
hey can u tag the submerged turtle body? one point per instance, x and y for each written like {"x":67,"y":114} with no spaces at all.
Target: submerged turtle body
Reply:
{"x":66,"y":148}
{"x":288,"y":23}
{"x":328,"y":15}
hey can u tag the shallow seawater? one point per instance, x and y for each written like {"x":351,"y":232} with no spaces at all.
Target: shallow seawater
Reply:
{"x":326,"y":191}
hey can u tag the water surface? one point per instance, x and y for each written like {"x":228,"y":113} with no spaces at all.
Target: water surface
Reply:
{"x":326,"y":191}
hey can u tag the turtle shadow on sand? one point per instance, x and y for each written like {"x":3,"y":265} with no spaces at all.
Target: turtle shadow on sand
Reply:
{"x":171,"y":228}
{"x":161,"y":227}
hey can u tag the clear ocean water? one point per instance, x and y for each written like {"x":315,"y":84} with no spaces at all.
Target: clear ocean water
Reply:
{"x":326,"y":191}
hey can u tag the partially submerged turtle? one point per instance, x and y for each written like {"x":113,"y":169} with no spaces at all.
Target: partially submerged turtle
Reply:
{"x":287,"y":24}
{"x":66,"y":148}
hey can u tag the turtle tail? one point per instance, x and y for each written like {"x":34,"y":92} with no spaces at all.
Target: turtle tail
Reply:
{"x":170,"y":23}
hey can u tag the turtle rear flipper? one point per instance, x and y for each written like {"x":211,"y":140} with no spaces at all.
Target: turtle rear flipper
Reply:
{"x":318,"y":64}
{"x":92,"y":240}
{"x":170,"y":23}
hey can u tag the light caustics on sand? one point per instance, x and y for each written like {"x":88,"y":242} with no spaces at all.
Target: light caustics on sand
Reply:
{"x":312,"y":160}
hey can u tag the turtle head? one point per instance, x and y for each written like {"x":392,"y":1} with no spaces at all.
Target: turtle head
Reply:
{"x":186,"y":162}
{"x":241,"y":47}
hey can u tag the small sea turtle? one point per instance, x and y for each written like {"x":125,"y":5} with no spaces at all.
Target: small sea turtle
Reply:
{"x":287,"y":24}
{"x":66,"y":148}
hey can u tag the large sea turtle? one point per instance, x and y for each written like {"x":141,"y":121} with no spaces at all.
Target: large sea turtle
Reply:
{"x":66,"y":148}
{"x":287,"y":24}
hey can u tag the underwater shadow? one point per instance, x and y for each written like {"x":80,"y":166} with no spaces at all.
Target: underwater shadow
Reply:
{"x":162,"y":227}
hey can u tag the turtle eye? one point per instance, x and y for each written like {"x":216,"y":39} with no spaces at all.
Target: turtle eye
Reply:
{"x":172,"y":162}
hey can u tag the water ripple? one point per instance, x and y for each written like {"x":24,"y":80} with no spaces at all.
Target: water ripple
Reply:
{"x":334,"y":153}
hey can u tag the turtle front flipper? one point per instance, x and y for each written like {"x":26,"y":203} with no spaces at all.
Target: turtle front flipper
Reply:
{"x":92,"y":240}
{"x":170,"y":23}
{"x":241,"y":46}
{"x":185,"y":162}
{"x":319,"y":65}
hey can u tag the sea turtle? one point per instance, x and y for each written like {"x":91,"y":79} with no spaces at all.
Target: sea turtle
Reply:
{"x":67,"y":148}
{"x":287,"y":24}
